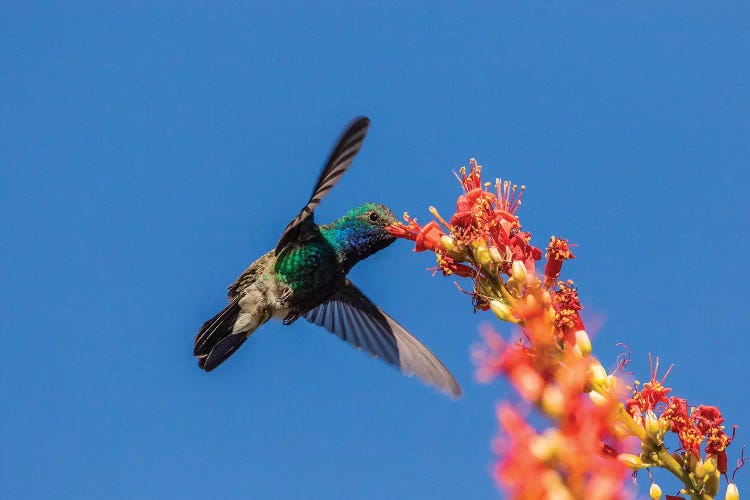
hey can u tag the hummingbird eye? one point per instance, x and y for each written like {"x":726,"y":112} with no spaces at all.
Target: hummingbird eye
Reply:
{"x":374,"y":216}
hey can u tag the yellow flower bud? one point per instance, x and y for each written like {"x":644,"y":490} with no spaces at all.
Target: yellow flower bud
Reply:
{"x":654,"y":491}
{"x":700,"y":469}
{"x":732,"y":492}
{"x":448,"y":242}
{"x":577,"y":352}
{"x":547,"y":446}
{"x":518,"y":271}
{"x":597,"y":398}
{"x":583,"y":342}
{"x":632,"y":461}
{"x":502,"y":311}
{"x":652,"y":425}
{"x":710,"y":465}
{"x":553,"y":401}
{"x":495,"y":254}
{"x":598,"y":375}
{"x":482,"y":254}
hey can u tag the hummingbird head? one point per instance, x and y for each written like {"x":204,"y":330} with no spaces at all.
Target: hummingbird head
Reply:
{"x":361,"y":232}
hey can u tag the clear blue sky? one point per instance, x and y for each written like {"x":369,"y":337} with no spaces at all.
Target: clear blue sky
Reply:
{"x":149,"y":153}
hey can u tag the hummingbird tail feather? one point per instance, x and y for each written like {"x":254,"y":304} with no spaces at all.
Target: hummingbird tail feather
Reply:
{"x":214,"y":332}
{"x":222,"y":335}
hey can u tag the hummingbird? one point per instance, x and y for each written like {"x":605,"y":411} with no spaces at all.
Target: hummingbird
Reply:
{"x":305,"y":275}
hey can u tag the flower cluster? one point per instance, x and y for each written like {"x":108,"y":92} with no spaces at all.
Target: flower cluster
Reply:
{"x":656,"y":413}
{"x":581,"y":450}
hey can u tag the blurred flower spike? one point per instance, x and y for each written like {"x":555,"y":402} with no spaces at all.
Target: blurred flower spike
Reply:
{"x":583,"y":445}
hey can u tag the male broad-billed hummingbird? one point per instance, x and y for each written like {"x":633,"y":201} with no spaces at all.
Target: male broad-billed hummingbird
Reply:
{"x":305,"y":275}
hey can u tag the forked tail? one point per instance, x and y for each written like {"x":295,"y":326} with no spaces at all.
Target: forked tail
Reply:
{"x":215,"y":341}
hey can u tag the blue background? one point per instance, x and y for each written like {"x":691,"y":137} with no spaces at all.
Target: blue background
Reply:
{"x":149,"y":153}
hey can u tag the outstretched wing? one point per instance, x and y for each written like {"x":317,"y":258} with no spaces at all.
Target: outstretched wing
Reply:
{"x":354,"y":318}
{"x":341,"y":157}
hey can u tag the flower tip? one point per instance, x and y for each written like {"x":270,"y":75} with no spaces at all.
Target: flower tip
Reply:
{"x":631,"y":461}
{"x":597,"y":399}
{"x":448,"y":242}
{"x":495,"y":254}
{"x":502,"y":311}
{"x":482,"y":254}
{"x":583,"y":342}
{"x":518,"y":271}
{"x":732,"y":492}
{"x":652,"y":424}
{"x":598,"y":374}
{"x":654,"y":492}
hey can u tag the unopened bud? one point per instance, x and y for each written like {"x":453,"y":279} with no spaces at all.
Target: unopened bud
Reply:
{"x":482,"y":254}
{"x":583,"y":342}
{"x":652,"y":425}
{"x":633,"y":462}
{"x":518,"y":271}
{"x":448,"y":242}
{"x":495,"y":254}
{"x":547,"y":446}
{"x":654,"y":491}
{"x":553,"y":401}
{"x":710,"y":465}
{"x":598,"y":375}
{"x":502,"y":311}
{"x":597,"y":398}
{"x":732,"y":492}
{"x":700,"y":469}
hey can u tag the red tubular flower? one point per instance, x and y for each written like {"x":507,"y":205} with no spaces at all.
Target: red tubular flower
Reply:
{"x":567,"y":304}
{"x":429,"y":237}
{"x":524,"y":251}
{"x":408,"y":231}
{"x":557,"y":253}
{"x":426,"y":238}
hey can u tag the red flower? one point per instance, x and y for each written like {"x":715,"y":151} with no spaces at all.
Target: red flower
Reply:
{"x":709,"y":420}
{"x":567,"y":304}
{"x":557,"y":253}
{"x":552,"y":367}
{"x":449,"y":266}
{"x":428,"y":237}
{"x":653,"y":392}
{"x":524,"y":251}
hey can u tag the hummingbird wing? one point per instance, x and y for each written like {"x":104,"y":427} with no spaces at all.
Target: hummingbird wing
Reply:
{"x":356,"y":319}
{"x":341,"y":157}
